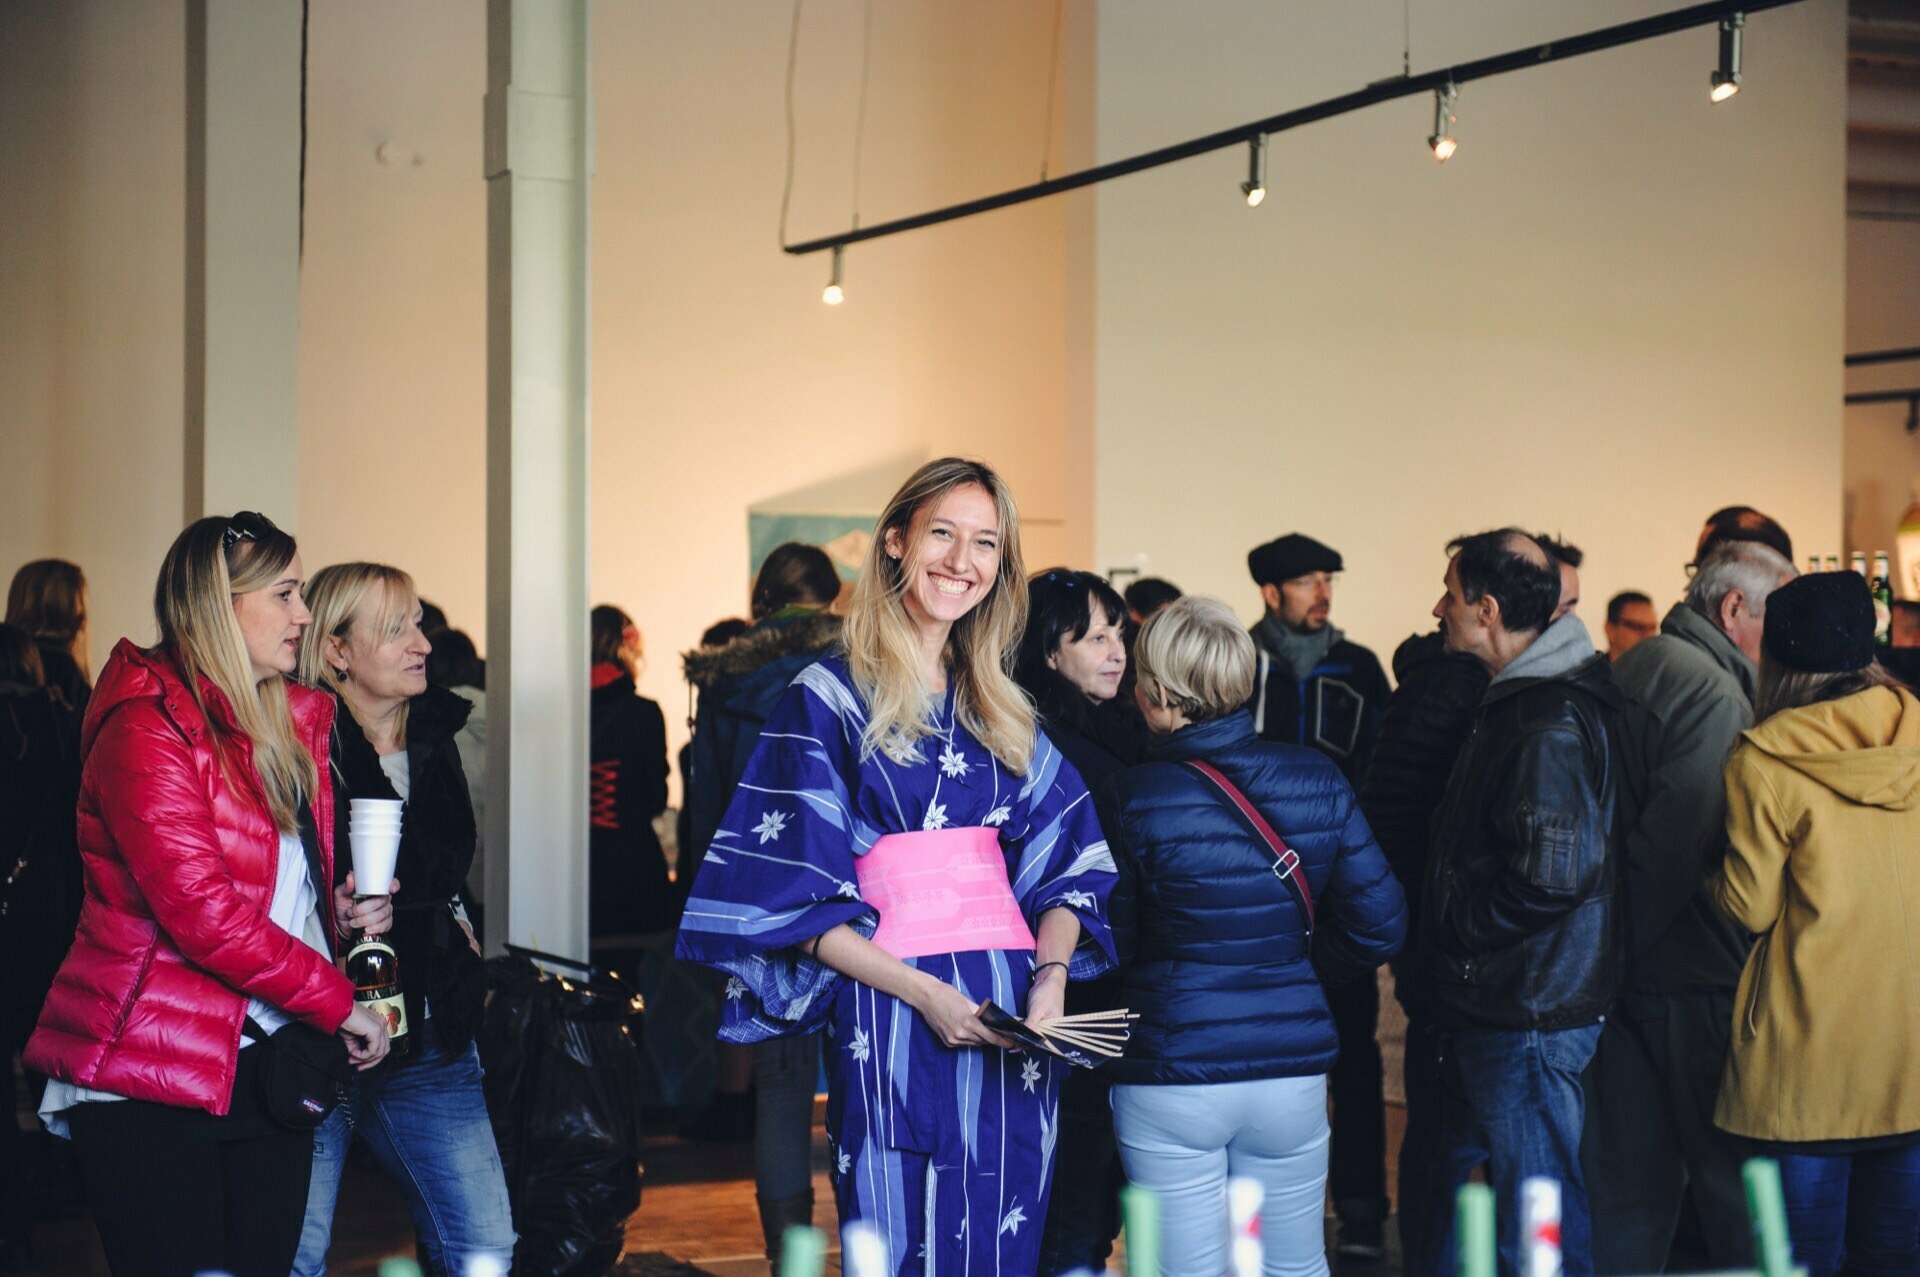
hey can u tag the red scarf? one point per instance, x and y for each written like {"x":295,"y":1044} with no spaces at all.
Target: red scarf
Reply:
{"x":606,"y":672}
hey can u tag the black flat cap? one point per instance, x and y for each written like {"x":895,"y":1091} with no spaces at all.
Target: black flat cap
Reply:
{"x":1290,"y":556}
{"x":1821,"y":623}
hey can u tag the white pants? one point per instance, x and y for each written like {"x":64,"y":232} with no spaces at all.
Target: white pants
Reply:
{"x":1184,"y":1141}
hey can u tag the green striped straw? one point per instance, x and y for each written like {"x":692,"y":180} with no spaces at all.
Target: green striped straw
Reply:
{"x":1767,"y":1208}
{"x":1141,"y":1207}
{"x":1473,"y":1231}
{"x":803,"y":1252}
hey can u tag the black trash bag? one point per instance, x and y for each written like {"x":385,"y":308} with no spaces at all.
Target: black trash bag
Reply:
{"x":562,"y":1083}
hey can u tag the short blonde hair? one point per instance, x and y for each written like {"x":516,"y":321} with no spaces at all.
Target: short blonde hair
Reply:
{"x":1194,"y":656}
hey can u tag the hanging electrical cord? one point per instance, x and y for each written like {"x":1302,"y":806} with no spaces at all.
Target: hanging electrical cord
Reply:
{"x":1406,"y":37}
{"x":300,"y":244}
{"x":1053,"y":76}
{"x":860,"y":116}
{"x":793,"y":57}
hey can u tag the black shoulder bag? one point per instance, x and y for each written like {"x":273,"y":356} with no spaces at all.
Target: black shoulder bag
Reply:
{"x":300,"y":1072}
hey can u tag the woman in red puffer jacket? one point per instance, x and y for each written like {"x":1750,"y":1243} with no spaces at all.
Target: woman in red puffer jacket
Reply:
{"x":205,"y":826}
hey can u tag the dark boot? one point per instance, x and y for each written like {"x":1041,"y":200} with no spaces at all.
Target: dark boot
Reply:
{"x":778,"y":1215}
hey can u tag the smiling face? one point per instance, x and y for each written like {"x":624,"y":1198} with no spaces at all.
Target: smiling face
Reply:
{"x":949,"y":555}
{"x":1095,"y":662}
{"x":384,"y":653}
{"x":271,"y":620}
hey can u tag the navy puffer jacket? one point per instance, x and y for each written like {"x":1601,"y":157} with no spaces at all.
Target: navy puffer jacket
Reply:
{"x":1214,"y":945}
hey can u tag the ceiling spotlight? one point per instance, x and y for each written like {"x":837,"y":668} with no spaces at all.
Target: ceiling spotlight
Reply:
{"x":1726,"y":80}
{"x":832,"y":294}
{"x":1442,"y":141}
{"x":1255,"y":187}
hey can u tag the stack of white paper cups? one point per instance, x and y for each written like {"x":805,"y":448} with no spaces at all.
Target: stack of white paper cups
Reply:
{"x":373,"y":830}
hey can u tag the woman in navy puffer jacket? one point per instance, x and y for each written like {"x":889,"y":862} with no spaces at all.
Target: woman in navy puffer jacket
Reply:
{"x":1226,"y":1072}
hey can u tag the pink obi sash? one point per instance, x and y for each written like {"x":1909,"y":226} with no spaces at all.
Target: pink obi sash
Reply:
{"x":941,"y":891}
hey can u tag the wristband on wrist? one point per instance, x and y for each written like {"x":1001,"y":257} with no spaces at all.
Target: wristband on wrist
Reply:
{"x":1043,"y":966}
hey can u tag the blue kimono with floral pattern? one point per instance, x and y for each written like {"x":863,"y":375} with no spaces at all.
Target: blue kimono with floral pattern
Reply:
{"x":948,"y":1152}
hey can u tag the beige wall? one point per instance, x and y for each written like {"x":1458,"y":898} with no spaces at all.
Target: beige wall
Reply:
{"x":92,"y":231}
{"x":1614,"y":310}
{"x":719,"y":378}
{"x":1883,"y":313}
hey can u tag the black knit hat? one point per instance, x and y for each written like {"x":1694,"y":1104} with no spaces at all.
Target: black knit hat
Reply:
{"x":1821,"y":624}
{"x":1290,"y":556}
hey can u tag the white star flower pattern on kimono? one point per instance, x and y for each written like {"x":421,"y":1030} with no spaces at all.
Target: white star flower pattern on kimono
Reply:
{"x":1030,"y":1074}
{"x":1014,"y":1218}
{"x":998,"y":816}
{"x":953,"y":763}
{"x":936,"y":817}
{"x":860,"y":1048}
{"x":736,"y":988}
{"x":772,"y":825}
{"x":1080,"y":900}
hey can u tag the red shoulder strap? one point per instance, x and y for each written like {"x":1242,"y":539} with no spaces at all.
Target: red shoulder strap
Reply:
{"x":1286,"y":866}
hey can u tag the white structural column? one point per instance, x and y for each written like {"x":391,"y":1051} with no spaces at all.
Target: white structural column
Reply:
{"x":538,"y":164}
{"x":243,"y":258}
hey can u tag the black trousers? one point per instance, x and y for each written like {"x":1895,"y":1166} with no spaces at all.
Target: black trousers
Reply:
{"x":1650,"y":1145}
{"x":1357,"y":1174}
{"x":176,"y":1191}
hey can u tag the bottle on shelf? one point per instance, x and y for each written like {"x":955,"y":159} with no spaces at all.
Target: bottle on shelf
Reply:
{"x":1813,"y":564}
{"x":1833,"y":563}
{"x":1857,"y":562}
{"x":1882,"y":599}
{"x":375,"y":971}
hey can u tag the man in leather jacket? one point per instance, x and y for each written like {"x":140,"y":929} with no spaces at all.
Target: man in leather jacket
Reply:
{"x":1520,"y":918}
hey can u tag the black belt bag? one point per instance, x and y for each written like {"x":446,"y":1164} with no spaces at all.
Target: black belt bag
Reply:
{"x":301,"y":1073}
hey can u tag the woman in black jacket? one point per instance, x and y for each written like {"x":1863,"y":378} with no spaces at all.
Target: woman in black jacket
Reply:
{"x":40,"y":883}
{"x":1223,"y":938}
{"x":630,"y":901}
{"x":1073,"y":661}
{"x":423,"y":1116}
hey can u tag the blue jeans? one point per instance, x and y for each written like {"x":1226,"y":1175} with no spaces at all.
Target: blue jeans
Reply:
{"x":1513,"y":1101}
{"x":425,"y":1120}
{"x":1863,"y":1206}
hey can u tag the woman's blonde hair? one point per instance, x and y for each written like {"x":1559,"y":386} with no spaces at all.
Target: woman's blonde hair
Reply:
{"x":335,"y":596}
{"x":1193,"y":655}
{"x":883,"y":649}
{"x":48,"y":599}
{"x":211,"y":563}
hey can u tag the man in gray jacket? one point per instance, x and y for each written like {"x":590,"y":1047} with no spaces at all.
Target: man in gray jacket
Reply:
{"x":1649,"y":1140}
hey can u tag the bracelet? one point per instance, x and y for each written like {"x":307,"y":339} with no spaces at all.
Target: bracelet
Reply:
{"x":1043,"y":966}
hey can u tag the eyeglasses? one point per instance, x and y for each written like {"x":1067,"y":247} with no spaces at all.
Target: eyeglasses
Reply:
{"x":247,"y":525}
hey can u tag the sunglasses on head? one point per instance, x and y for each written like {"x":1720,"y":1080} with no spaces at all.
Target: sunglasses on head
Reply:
{"x":247,"y":525}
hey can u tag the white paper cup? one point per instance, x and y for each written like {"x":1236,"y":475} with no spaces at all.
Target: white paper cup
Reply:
{"x":375,"y":822}
{"x":367,"y":806}
{"x":374,"y":857}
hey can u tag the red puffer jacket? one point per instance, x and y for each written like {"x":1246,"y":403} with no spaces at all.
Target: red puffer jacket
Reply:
{"x":180,"y":862}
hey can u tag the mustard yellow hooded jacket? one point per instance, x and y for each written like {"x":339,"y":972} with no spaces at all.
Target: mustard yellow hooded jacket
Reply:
{"x":1823,"y":817}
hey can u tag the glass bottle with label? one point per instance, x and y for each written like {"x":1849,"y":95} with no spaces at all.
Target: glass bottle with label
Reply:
{"x":1857,"y":563}
{"x":375,"y":972}
{"x":1882,"y":599}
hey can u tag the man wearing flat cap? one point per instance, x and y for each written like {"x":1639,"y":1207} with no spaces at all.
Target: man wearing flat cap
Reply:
{"x":1316,"y":688}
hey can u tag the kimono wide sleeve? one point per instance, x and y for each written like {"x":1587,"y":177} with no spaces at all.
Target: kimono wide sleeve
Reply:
{"x":780,"y":867}
{"x":1063,"y":859}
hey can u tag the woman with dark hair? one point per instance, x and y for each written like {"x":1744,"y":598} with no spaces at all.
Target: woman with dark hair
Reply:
{"x":455,"y":664}
{"x":41,"y":887}
{"x":740,"y":682}
{"x":1823,"y":828}
{"x":1072,"y":661}
{"x":631,"y":902}
{"x":206,"y":827}
{"x":48,"y":599}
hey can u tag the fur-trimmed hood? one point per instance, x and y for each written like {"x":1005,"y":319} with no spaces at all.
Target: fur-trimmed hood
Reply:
{"x":769,"y":641}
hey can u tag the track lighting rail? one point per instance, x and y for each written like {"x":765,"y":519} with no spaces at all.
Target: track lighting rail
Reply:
{"x":1403,"y":86}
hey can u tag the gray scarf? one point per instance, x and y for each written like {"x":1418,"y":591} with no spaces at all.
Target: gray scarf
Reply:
{"x":1299,"y":654}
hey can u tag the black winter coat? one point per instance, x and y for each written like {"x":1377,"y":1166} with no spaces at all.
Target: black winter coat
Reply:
{"x":437,"y":838}
{"x":40,"y":878}
{"x":739,"y":684}
{"x":1336,"y":710}
{"x":1213,"y":945}
{"x":1521,"y":919}
{"x":628,"y":891}
{"x":1426,"y":721}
